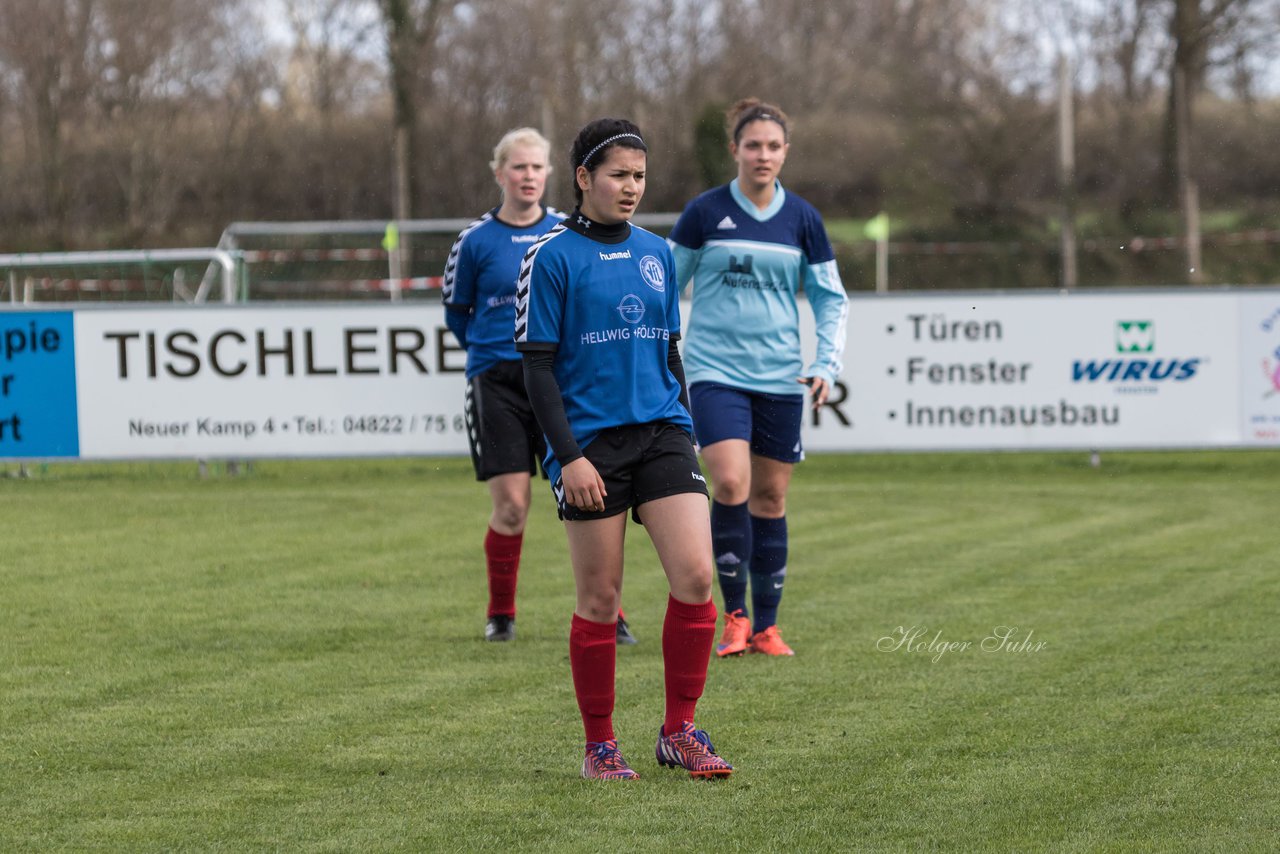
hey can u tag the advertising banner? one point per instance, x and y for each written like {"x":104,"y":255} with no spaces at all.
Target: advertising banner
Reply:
{"x":1040,"y":371}
{"x":277,"y":381}
{"x":1260,"y":368}
{"x":37,"y":385}
{"x":1095,"y":370}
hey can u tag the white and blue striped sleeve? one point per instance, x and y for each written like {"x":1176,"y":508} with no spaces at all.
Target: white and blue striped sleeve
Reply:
{"x":540,"y":296}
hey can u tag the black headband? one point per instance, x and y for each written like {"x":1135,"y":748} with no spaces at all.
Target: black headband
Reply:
{"x":757,"y":114}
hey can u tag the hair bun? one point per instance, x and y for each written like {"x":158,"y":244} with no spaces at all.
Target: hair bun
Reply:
{"x":748,"y":110}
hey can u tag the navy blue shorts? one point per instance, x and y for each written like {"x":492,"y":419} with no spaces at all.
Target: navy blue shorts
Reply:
{"x":770,"y":422}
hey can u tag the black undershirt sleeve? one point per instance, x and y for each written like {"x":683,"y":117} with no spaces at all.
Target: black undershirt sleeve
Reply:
{"x":548,"y":405}
{"x":676,"y":366}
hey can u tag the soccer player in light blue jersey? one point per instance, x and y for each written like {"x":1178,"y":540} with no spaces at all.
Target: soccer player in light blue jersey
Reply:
{"x":479,"y":299}
{"x":597,"y":320}
{"x":749,"y":247}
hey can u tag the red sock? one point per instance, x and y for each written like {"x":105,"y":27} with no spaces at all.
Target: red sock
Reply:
{"x":593,"y":651}
{"x":502,"y":559}
{"x":687,"y":635}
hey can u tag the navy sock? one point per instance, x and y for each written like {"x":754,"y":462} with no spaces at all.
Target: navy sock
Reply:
{"x":768,"y":569}
{"x":731,"y":544}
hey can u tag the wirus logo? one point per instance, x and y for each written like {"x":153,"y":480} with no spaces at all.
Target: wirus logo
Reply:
{"x":743,"y":269}
{"x":1135,"y":375}
{"x":1135,"y":336}
{"x":1133,"y":370}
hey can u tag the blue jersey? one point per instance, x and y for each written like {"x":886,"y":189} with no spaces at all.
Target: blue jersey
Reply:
{"x":609,"y":311}
{"x":746,"y":266}
{"x":480,"y":286}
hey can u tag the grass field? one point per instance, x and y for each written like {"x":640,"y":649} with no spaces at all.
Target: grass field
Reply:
{"x":291,"y":660}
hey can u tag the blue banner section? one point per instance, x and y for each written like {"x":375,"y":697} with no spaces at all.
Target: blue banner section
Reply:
{"x":38,"y":416}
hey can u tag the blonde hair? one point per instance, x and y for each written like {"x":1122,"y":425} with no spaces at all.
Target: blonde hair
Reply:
{"x":519,"y":136}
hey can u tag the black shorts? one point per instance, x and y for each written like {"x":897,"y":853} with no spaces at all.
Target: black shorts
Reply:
{"x":638,"y":463}
{"x":503,"y":433}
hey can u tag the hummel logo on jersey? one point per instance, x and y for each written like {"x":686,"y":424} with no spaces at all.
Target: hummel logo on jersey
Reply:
{"x":697,"y":476}
{"x":728,"y":559}
{"x":726,"y":224}
{"x":615,"y":256}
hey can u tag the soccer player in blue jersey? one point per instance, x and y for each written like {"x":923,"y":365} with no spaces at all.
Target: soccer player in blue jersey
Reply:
{"x":479,"y":299}
{"x":597,"y":321}
{"x":748,"y":247}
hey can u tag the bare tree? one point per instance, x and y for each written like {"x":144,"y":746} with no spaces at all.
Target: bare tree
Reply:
{"x":1127,"y":52}
{"x":48,"y":45}
{"x":1201,"y":33}
{"x":411,"y":30}
{"x":328,"y":75}
{"x":135,"y":120}
{"x":149,"y":60}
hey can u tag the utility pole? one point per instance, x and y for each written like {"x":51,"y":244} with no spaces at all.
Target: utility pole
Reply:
{"x":1067,"y":171}
{"x":1188,"y":192}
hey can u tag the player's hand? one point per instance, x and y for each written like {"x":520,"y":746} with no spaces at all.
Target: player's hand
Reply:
{"x":818,"y":389}
{"x":583,"y":486}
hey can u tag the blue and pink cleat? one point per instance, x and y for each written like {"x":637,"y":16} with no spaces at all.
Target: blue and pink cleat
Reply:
{"x":691,"y":750}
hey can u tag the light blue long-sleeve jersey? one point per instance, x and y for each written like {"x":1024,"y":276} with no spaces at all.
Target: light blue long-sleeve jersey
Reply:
{"x":747,"y":266}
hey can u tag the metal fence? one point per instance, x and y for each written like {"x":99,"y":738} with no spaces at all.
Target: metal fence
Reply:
{"x":30,"y":277}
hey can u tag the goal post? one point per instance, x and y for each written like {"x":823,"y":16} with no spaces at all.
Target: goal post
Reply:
{"x":174,"y":262}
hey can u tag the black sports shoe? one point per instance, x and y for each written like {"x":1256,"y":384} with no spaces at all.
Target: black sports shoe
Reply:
{"x":500,"y":628}
{"x":624,"y":635}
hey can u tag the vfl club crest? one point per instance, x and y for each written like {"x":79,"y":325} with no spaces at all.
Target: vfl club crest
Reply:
{"x":651,"y":270}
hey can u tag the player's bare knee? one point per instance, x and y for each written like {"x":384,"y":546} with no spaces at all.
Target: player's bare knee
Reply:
{"x":602,"y":615}
{"x":692,"y":583}
{"x":769,"y":503}
{"x":731,"y":490}
{"x":511,"y":515}
{"x":700,"y":592}
{"x":691,"y":593}
{"x":600,"y":607}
